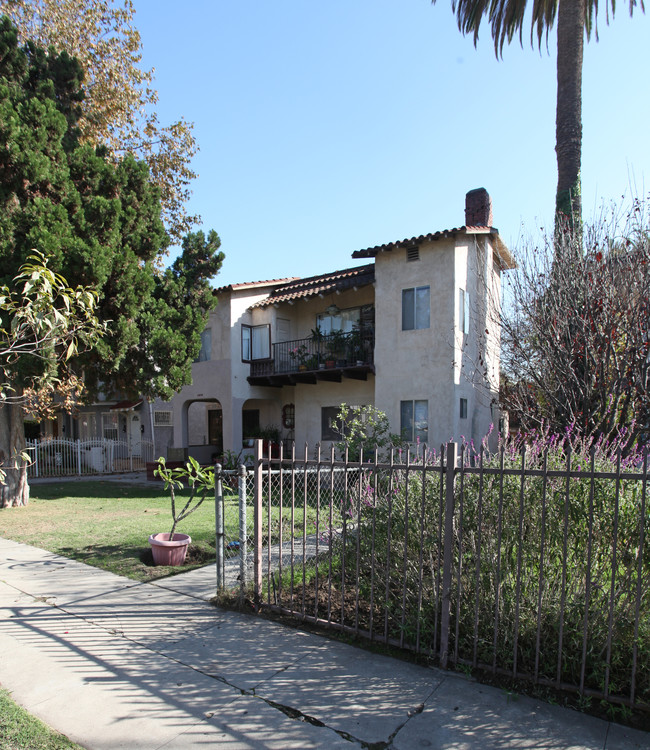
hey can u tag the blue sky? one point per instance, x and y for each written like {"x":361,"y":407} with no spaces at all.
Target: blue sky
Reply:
{"x":329,"y":127}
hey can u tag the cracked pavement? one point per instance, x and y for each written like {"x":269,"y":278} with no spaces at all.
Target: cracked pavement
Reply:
{"x":113,"y":663}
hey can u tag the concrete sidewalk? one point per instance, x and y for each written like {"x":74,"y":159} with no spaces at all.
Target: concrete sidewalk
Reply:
{"x":113,"y":663}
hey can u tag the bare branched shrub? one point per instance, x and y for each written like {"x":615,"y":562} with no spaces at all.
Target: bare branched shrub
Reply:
{"x":576,"y":330}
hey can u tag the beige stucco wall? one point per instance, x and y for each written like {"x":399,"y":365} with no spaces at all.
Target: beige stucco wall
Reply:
{"x":418,"y":364}
{"x":310,"y":399}
{"x":477,"y":352}
{"x":438,"y":364}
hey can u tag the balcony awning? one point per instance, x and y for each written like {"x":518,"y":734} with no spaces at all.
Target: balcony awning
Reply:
{"x":126,"y":405}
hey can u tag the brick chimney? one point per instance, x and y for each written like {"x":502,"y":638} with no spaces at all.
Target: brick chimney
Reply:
{"x":478,"y":208}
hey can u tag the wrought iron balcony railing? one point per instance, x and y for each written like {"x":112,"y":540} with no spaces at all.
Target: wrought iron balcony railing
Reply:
{"x":335,"y":351}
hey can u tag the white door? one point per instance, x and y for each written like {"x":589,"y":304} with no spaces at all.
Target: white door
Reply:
{"x":135,"y":436}
{"x":284,"y":329}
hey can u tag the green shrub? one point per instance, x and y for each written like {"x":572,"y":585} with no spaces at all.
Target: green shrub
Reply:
{"x":545,"y":558}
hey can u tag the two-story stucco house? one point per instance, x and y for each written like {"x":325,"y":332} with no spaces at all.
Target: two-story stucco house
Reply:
{"x":414,"y":332}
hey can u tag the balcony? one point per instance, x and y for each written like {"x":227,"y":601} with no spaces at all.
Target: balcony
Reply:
{"x":317,"y":358}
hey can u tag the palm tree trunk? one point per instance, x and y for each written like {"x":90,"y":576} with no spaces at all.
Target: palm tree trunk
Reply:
{"x":568,"y":121}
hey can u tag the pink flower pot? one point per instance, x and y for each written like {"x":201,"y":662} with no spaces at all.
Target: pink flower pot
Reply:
{"x":167,"y":552}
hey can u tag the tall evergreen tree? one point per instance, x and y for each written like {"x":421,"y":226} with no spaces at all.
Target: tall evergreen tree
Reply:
{"x":99,"y":223}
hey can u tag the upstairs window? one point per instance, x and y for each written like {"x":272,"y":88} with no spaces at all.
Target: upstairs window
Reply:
{"x":339,"y":320}
{"x":415,"y":308}
{"x":205,"y":355}
{"x":255,"y":342}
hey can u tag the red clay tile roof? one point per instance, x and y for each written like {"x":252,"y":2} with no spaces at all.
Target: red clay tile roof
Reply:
{"x":371,"y":252}
{"x":253,"y":284}
{"x":337,"y":281}
{"x":502,"y":250}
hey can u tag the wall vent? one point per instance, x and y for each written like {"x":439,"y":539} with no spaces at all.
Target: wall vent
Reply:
{"x":412,"y":253}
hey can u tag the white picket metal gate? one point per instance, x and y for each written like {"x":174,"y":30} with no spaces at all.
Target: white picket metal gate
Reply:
{"x":65,"y":457}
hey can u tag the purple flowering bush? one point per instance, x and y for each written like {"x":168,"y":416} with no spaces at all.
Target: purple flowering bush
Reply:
{"x":552,"y":554}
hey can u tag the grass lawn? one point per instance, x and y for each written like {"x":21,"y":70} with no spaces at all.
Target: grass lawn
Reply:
{"x":107,"y":524}
{"x":19,"y":730}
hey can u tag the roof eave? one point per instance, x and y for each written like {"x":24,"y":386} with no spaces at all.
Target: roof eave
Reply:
{"x":505,"y":257}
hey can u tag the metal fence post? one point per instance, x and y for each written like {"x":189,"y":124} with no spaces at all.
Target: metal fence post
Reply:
{"x":450,"y":468}
{"x":79,"y":457}
{"x":243,"y":533}
{"x":218,"y":513}
{"x":257,"y":533}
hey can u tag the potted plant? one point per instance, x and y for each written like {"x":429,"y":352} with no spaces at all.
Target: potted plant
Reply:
{"x":318,"y":340}
{"x":300,"y":354}
{"x":336,"y":345}
{"x":311,"y":363}
{"x":250,"y":437}
{"x":171,"y":548}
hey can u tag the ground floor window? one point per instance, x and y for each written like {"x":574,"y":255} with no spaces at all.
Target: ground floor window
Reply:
{"x":250,"y":423}
{"x":330,"y":427}
{"x":414,"y":421}
{"x":162,"y":418}
{"x":32,"y":430}
{"x":110,"y":426}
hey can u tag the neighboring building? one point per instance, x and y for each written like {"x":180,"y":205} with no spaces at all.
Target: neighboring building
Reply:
{"x":415,"y":332}
{"x":128,"y":423}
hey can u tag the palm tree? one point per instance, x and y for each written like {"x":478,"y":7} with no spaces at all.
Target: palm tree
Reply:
{"x":575,"y":18}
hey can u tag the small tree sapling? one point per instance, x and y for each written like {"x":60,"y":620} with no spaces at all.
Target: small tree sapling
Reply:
{"x":199,"y":479}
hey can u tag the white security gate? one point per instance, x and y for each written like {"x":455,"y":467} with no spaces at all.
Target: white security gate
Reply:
{"x":64,"y":457}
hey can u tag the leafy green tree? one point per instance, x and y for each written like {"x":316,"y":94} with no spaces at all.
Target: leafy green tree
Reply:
{"x":575,"y":18}
{"x":367,"y":429}
{"x":99,"y":222}
{"x":44,"y":322}
{"x":119,"y":104}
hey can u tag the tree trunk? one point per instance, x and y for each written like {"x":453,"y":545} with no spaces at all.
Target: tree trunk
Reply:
{"x":14,"y":491}
{"x":568,"y":121}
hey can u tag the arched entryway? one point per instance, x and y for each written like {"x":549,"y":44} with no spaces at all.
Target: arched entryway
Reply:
{"x":204,"y":425}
